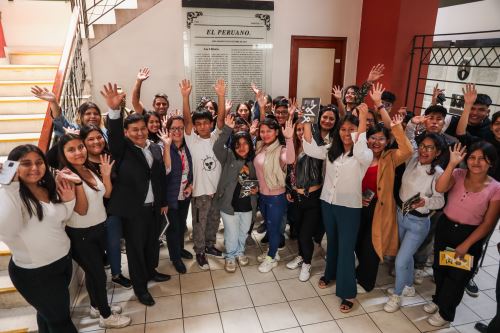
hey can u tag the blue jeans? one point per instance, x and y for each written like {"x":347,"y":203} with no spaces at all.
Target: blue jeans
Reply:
{"x":114,"y":234}
{"x":412,"y":232}
{"x":273,"y":208}
{"x":235,"y":232}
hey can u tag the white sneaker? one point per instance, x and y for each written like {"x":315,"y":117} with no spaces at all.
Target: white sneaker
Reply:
{"x":268,"y":264}
{"x":230,"y":266}
{"x":431,"y":307}
{"x":437,"y":320}
{"x":242,"y":260}
{"x":392,"y":304}
{"x":418,"y":276}
{"x":114,"y":321}
{"x":360,"y":289}
{"x":94,"y":313}
{"x":295,"y":263}
{"x":263,"y":256}
{"x":407,"y":291}
{"x":305,"y":272}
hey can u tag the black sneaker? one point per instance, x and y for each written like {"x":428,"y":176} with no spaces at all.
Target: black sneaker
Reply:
{"x":483,"y":328}
{"x":122,"y":281}
{"x":185,"y":254}
{"x":472,"y":289}
{"x":213,"y":251}
{"x":201,"y":259}
{"x":261,"y":228}
{"x":179,"y":266}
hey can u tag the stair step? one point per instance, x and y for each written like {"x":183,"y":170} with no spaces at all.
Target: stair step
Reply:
{"x":21,"y":123}
{"x":19,"y":330}
{"x":10,"y":141}
{"x":34,"y":57}
{"x":18,"y":320}
{"x":22,"y":105}
{"x":27,"y":72}
{"x":9,"y":297}
{"x":22,"y":88}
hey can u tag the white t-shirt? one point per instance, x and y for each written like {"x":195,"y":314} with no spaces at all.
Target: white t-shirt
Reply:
{"x":206,"y":167}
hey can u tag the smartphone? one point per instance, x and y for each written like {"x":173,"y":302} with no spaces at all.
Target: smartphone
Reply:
{"x":8,"y":171}
{"x":368,"y":194}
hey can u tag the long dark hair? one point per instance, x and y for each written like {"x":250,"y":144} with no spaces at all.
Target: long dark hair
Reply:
{"x":337,"y":147}
{"x":488,"y":150}
{"x":87,"y":129}
{"x":249,"y":120}
{"x":152,"y":136}
{"x":378,"y":128}
{"x":84,"y":107}
{"x":441,"y":147}
{"x":31,"y":203}
{"x":322,"y":110}
{"x":234,"y":141}
{"x":170,"y":121}
{"x":272,"y":123}
{"x":63,"y":161}
{"x":356,"y":92}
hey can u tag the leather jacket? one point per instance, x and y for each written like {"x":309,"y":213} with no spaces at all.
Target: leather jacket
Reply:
{"x":305,"y":173}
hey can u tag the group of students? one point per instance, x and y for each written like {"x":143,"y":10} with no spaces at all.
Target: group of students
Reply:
{"x":372,"y":183}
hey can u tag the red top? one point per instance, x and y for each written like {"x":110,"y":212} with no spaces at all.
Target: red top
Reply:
{"x":370,"y":180}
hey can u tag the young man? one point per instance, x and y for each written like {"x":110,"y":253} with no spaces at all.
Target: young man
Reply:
{"x":206,"y":170}
{"x":160,"y":100}
{"x":138,"y":195}
{"x":478,"y":123}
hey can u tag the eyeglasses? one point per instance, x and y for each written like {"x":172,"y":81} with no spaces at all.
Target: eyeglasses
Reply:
{"x":426,"y":148}
{"x":281,"y":113}
{"x":29,"y":164}
{"x":176,"y":129}
{"x":378,"y":138}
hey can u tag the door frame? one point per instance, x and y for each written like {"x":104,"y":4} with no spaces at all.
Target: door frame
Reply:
{"x":298,"y":42}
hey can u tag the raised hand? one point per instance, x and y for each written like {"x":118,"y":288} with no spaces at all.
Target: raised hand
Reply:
{"x":435,"y":93}
{"x":164,"y":136}
{"x":288,"y":129}
{"x":376,"y":94}
{"x":419,"y":119}
{"x":106,"y":165}
{"x":457,"y":154}
{"x":362,"y":110}
{"x":65,"y":189}
{"x":470,"y":93}
{"x":143,"y":74}
{"x":112,"y":96}
{"x":254,"y":88}
{"x":229,"y":120}
{"x":44,"y":94}
{"x":220,"y":87}
{"x":376,"y":73}
{"x":229,"y":106}
{"x":396,"y":120}
{"x":185,"y":87}
{"x":292,"y":107}
{"x":69,"y":130}
{"x":337,"y":92}
{"x":68,"y":175}
{"x":254,"y":127}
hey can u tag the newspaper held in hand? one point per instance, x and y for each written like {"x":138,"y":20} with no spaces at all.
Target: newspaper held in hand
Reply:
{"x":406,"y":207}
{"x":247,"y":186}
{"x":310,"y":109}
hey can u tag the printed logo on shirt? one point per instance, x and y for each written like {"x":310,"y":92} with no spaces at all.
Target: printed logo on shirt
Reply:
{"x":209,"y":163}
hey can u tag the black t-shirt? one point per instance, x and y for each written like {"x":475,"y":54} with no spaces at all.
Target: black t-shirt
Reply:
{"x":244,"y":204}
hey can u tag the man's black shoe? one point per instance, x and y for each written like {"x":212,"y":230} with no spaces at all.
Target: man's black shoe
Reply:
{"x":483,"y":328}
{"x":146,"y":299}
{"x":179,"y":266}
{"x":160,"y":277}
{"x":185,"y":254}
{"x":261,"y":228}
{"x":472,"y":289}
{"x":213,"y":251}
{"x":122,"y":281}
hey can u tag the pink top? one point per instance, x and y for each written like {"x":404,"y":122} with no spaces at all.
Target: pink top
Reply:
{"x":287,"y":156}
{"x":469,"y":207}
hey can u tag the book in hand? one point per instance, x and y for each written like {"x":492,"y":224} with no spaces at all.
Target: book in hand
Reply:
{"x":310,"y":109}
{"x":407,"y":205}
{"x":447,"y":258}
{"x":247,"y":186}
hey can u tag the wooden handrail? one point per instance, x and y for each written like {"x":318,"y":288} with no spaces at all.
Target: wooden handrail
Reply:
{"x":64,"y":64}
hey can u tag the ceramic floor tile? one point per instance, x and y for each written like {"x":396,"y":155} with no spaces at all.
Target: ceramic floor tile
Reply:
{"x":199,"y":303}
{"x":464,"y":315}
{"x":393,"y":322}
{"x":357,"y":324}
{"x":482,"y":305}
{"x":252,"y":275}
{"x":484,"y":280}
{"x":310,"y":311}
{"x":419,"y":317}
{"x":135,"y":310}
{"x":168,"y":307}
{"x":266,"y":293}
{"x":468,"y":328}
{"x":295,"y":289}
{"x":491,"y":270}
{"x":332,"y":303}
{"x":167,"y":288}
{"x":165,"y":266}
{"x":289,"y":330}
{"x":194,"y":282}
{"x":223,"y":279}
{"x":276,"y":317}
{"x":327,"y":291}
{"x":491,"y":293}
{"x":325,"y":327}
{"x":233,"y":298}
{"x":282,"y":272}
{"x":372,"y":301}
{"x":215,"y":263}
{"x":241,"y":321}
{"x":203,"y":324}
{"x":129,"y":329}
{"x":426,"y":289}
{"x":123,"y":295}
{"x":170,"y":326}
{"x":82,"y":320}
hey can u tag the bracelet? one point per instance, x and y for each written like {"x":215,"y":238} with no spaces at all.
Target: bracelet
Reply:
{"x":78,"y":184}
{"x":380,"y":107}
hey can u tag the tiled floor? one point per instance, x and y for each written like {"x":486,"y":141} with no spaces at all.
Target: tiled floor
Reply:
{"x":248,"y":301}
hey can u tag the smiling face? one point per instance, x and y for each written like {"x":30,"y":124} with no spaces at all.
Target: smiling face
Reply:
{"x":153,"y":124}
{"x":95,"y":143}
{"x":210,"y":107}
{"x":478,"y":113}
{"x":91,"y":117}
{"x":137,"y":133}
{"x":434,"y":123}
{"x":161,"y":105}
{"x":281,"y":113}
{"x":31,"y":168}
{"x":299,"y":131}
{"x":75,"y":152}
{"x":242,"y":148}
{"x":350,"y":95}
{"x":345,"y":132}
{"x":495,"y":128}
{"x":177,"y":131}
{"x":327,"y":120}
{"x":478,"y":163}
{"x":377,"y":143}
{"x":267,"y":135}
{"x":427,"y":151}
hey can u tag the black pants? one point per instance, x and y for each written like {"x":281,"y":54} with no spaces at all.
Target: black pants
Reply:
{"x":307,"y":219}
{"x":143,"y":248}
{"x":175,"y":231}
{"x":87,"y":249}
{"x":366,"y":272}
{"x":494,"y":325}
{"x":46,"y":289}
{"x":450,"y":281}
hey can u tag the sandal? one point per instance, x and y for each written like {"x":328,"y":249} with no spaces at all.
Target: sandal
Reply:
{"x":346,"y":306}
{"x":322,"y":283}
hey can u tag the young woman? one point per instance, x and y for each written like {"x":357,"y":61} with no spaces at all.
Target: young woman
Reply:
{"x":153,"y":123}
{"x":86,"y":227}
{"x":378,"y":231}
{"x":33,"y":208}
{"x":243,"y":111}
{"x":328,"y":119}
{"x":304,"y":181}
{"x":348,"y":158}
{"x":236,"y":209}
{"x":97,"y":147}
{"x":418,"y":185}
{"x":179,"y":188}
{"x":470,"y":214}
{"x":270,"y":165}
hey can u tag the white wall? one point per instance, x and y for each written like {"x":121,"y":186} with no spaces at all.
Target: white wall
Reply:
{"x":35,"y":23}
{"x":154,"y":39}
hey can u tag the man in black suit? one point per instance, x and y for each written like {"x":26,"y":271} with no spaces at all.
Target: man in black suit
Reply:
{"x":138,"y":192}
